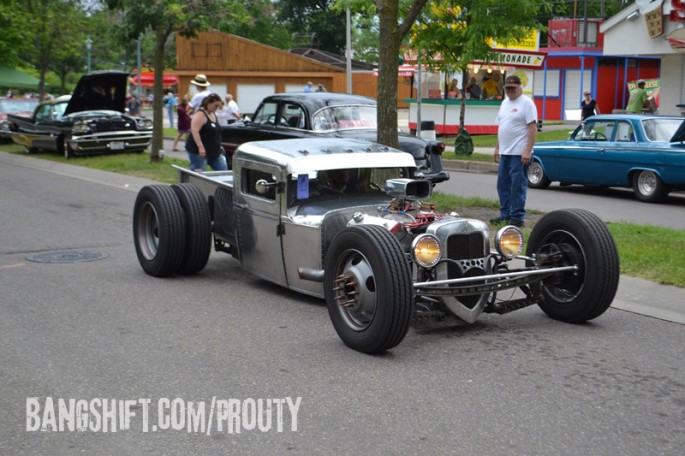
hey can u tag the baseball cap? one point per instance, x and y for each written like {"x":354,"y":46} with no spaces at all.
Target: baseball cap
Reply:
{"x":512,"y":81}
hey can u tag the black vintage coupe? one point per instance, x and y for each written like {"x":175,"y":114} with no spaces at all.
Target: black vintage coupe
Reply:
{"x":91,"y":121}
{"x":326,"y":114}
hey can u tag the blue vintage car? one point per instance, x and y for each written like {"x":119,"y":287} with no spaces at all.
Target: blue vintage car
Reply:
{"x":644,"y":152}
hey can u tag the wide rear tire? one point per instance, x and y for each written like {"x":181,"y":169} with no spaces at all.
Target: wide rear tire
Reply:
{"x":368,"y":288}
{"x":198,"y":228}
{"x":159,"y":230}
{"x":581,"y":239}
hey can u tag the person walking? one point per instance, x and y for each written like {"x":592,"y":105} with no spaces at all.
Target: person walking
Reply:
{"x":638,"y":99}
{"x":516,"y":133}
{"x":170,"y":102}
{"x":232,"y":109}
{"x":202,"y":85}
{"x":588,"y":107}
{"x":183,"y":122}
{"x":204,"y":143}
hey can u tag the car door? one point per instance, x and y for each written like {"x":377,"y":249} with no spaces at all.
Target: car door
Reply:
{"x":582,"y":162}
{"x":622,"y":153}
{"x":258,"y":220}
{"x":292,"y":121}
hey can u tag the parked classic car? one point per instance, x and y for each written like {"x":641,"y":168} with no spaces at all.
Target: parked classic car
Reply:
{"x":642,"y":151}
{"x":345,"y":220}
{"x":18,"y":106}
{"x":325,"y":114}
{"x":91,"y":121}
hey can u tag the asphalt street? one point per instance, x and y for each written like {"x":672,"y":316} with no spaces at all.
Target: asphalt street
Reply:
{"x":519,"y":384}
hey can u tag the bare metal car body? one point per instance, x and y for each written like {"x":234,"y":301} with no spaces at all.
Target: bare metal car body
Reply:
{"x":377,"y":254}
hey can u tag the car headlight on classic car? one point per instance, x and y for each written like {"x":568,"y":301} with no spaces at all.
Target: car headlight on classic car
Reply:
{"x":425,"y":250}
{"x":144,"y":123}
{"x":509,"y":242}
{"x":81,"y":127}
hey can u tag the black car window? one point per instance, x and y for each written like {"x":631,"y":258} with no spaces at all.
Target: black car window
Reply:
{"x":294,"y":115}
{"x":44,"y":112}
{"x":266,"y":115}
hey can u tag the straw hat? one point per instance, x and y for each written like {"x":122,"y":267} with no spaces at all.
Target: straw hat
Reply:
{"x":200,"y":80}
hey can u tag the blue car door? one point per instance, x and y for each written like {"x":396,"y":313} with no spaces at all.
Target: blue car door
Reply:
{"x":582,"y":161}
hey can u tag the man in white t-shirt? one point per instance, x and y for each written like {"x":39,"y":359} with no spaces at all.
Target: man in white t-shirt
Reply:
{"x":517,"y":121}
{"x":202,"y":84}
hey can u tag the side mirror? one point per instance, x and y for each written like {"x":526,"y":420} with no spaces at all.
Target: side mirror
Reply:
{"x":262,"y":186}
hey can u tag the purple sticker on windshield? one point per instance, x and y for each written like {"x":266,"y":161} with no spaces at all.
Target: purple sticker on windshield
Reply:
{"x":303,"y":186}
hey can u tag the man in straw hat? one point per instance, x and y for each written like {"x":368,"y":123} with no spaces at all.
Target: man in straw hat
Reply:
{"x":202,"y":85}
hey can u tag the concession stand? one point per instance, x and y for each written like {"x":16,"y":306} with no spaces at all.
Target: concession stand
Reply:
{"x":442,"y":105}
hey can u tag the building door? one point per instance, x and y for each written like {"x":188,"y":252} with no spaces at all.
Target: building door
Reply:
{"x":572,"y":92}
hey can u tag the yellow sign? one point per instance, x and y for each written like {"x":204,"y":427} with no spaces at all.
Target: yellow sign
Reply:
{"x":530,"y":42}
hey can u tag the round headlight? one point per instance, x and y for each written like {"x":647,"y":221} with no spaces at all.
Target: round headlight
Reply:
{"x":80,"y":127}
{"x":426,"y":250}
{"x":509,"y":241}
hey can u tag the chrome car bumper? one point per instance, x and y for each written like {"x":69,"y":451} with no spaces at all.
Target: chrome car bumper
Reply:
{"x":110,"y":141}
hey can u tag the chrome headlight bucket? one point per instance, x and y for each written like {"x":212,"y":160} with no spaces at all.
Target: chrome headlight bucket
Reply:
{"x":144,"y":123}
{"x":81,"y":127}
{"x":426,"y":251}
{"x":509,"y":242}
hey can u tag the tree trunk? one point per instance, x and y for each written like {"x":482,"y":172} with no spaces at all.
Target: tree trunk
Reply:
{"x":389,"y":51}
{"x":157,"y":104}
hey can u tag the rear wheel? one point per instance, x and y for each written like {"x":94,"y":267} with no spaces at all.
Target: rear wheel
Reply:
{"x":576,"y":237}
{"x":198,"y":228}
{"x":648,"y":187}
{"x":537,"y":177}
{"x":159,"y":230}
{"x":368,"y":288}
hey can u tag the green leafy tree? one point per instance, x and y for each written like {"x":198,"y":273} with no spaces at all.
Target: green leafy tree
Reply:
{"x":161,"y":19}
{"x":15,"y":32}
{"x":262,"y":25}
{"x":453,"y":33}
{"x":315,"y":18}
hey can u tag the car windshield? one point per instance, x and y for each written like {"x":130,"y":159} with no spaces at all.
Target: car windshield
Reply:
{"x":342,"y":183}
{"x":18,"y":105}
{"x":344,"y":118}
{"x":660,"y":129}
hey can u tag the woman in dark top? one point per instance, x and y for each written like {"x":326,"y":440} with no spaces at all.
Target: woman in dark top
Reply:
{"x":183,"y":121}
{"x":204,"y":143}
{"x":588,"y":106}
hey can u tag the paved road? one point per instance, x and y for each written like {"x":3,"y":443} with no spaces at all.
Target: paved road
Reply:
{"x":515,"y":384}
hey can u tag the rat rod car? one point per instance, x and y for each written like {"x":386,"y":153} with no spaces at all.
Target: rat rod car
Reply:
{"x":343,"y":220}
{"x":327,"y":115}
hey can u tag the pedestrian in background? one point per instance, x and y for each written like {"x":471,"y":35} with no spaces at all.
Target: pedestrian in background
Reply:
{"x":308,"y":87}
{"x":183,"y":122}
{"x":516,"y":133}
{"x":170,"y":102}
{"x":232,"y":109}
{"x":204,"y":143}
{"x":638,"y":100}
{"x":588,"y":106}
{"x":202,"y":85}
{"x":133,"y":106}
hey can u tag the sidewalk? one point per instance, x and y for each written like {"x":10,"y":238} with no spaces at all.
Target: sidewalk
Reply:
{"x":634,"y":295}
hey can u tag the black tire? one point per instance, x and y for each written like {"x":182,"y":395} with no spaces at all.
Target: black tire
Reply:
{"x":582,"y":239}
{"x":159,"y":230}
{"x":198,"y":228}
{"x":648,"y":187}
{"x":536,"y":176}
{"x":369,"y":259}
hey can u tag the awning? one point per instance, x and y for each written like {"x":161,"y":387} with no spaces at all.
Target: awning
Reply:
{"x":405,"y":70}
{"x":15,"y":79}
{"x":148,"y":80}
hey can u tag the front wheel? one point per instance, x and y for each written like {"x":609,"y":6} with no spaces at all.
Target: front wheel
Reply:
{"x":575,"y":237}
{"x":537,"y":177}
{"x":648,"y":187}
{"x":368,"y":288}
